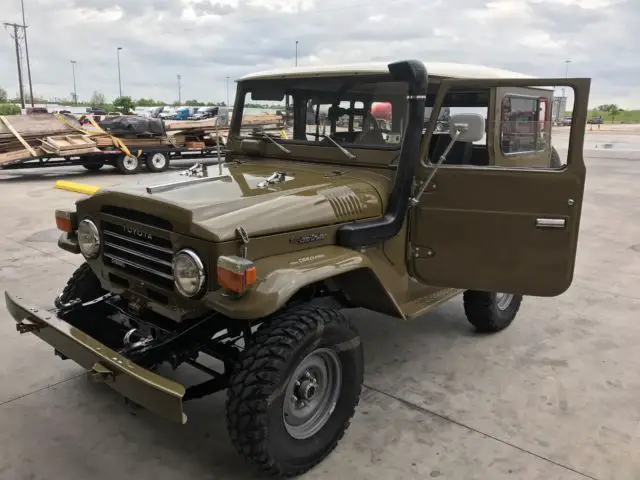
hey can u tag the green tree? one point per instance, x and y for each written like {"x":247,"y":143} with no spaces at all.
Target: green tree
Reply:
{"x":97,"y":99}
{"x":124,"y":105}
{"x":613,"y":111}
{"x":148,"y":102}
{"x":3,"y":95}
{"x":193,"y":103}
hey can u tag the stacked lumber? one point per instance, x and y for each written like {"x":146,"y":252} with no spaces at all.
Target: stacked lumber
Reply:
{"x":21,"y":135}
{"x":68,"y":145}
{"x":140,"y":142}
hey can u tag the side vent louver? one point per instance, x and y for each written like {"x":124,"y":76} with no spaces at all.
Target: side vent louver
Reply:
{"x":343,"y":200}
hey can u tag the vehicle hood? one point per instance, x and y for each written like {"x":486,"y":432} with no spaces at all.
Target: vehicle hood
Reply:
{"x":310,"y":196}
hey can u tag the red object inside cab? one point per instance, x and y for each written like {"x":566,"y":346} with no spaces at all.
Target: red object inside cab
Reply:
{"x":381,"y":110}
{"x":542,"y":112}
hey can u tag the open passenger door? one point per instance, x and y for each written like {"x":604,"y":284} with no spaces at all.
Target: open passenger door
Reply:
{"x":496,"y":228}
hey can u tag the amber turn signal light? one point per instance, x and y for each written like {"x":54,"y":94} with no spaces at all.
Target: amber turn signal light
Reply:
{"x":66,"y":221}
{"x":235,"y":274}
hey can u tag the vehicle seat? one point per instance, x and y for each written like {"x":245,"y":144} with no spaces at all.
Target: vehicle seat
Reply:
{"x":460,"y":153}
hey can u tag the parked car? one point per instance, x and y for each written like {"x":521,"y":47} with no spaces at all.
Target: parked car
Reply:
{"x":221,"y":113}
{"x":596,"y":120}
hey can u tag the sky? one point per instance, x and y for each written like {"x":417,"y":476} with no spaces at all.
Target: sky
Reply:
{"x":206,"y":41}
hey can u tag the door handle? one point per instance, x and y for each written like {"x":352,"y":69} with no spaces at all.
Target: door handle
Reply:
{"x":551,"y":222}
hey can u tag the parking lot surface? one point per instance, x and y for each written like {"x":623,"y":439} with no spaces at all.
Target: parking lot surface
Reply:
{"x":555,"y":396}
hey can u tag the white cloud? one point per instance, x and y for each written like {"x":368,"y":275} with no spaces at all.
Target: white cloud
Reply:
{"x":206,"y":40}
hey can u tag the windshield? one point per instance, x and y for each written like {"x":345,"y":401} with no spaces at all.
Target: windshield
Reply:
{"x":348,"y":112}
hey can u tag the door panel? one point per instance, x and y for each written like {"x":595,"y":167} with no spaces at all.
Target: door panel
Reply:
{"x":502,"y":229}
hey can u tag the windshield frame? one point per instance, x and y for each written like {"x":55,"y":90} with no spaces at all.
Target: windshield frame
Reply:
{"x":300,"y":89}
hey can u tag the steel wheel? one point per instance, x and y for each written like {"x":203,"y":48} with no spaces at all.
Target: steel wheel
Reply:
{"x":127,"y":164}
{"x":294,"y":390}
{"x":312,"y":393}
{"x":158,"y":162}
{"x":503,"y":300}
{"x":491,"y":312}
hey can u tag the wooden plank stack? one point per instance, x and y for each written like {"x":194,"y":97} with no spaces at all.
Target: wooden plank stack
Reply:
{"x":19,"y":131}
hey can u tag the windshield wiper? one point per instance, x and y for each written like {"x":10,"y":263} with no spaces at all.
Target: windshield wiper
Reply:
{"x":266,"y":136}
{"x":349,"y":155}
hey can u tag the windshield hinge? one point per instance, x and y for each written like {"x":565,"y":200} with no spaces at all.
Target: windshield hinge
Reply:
{"x":244,"y":238}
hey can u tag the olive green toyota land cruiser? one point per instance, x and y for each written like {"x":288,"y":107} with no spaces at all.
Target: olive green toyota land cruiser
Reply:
{"x":255,"y":264}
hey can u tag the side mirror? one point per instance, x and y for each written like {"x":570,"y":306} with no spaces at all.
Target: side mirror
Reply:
{"x":469,"y":127}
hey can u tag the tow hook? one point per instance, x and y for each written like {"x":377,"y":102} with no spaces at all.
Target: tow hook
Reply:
{"x":100,"y":374}
{"x":26,"y":326}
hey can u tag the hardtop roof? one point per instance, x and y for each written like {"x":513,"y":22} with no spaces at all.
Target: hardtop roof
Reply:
{"x":434,"y":69}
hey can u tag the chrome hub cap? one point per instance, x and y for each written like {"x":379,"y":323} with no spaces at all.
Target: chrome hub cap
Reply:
{"x":312,"y":393}
{"x":503,"y":300}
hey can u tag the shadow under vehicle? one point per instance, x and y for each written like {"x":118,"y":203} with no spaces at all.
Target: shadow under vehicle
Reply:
{"x":256,"y":266}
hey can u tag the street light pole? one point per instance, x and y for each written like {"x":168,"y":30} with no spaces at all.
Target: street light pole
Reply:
{"x":227,"y":91}
{"x":179,"y":91}
{"x":75,"y":91}
{"x":119,"y":77}
{"x":296,"y":53}
{"x":566,"y":76}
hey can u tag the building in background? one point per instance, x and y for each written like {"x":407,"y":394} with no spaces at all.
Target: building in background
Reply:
{"x":558,"y":108}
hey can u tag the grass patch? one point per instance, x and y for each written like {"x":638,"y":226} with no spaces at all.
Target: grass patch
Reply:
{"x":9,"y":109}
{"x":625,"y":116}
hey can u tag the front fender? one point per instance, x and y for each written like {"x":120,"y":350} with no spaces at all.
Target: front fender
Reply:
{"x":281,"y":276}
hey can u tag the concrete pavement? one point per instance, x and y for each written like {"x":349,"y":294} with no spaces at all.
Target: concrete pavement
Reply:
{"x":553,"y":397}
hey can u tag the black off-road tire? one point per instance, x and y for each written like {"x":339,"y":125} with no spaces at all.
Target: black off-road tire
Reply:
{"x":556,"y":162}
{"x":93,"y":166}
{"x":256,"y":396}
{"x":83,"y":284}
{"x":483,"y":311}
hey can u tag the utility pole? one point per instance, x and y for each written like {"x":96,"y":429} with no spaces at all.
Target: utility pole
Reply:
{"x":26,"y":50}
{"x":119,"y":77}
{"x":75,"y":92}
{"x":179,"y":91}
{"x":16,"y":38}
{"x":296,"y":53}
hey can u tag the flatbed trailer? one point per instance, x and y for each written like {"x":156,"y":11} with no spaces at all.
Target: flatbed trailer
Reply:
{"x":155,"y":158}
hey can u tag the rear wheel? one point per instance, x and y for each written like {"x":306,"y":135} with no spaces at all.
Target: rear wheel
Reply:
{"x":157,"y":162}
{"x":93,"y":165}
{"x":295,"y":390}
{"x":83,"y":285}
{"x":491,"y":312}
{"x":127,"y":164}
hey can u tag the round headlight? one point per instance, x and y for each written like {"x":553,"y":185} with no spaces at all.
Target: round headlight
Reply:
{"x":88,"y":238}
{"x":188,"y":273}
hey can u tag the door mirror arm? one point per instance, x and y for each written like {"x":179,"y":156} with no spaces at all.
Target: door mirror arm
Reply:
{"x":458,"y":131}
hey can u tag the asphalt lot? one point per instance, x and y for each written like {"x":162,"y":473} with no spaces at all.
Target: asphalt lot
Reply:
{"x":555,"y":396}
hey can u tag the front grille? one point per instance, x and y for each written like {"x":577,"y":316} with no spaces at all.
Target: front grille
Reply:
{"x":138,"y":253}
{"x":136,"y":216}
